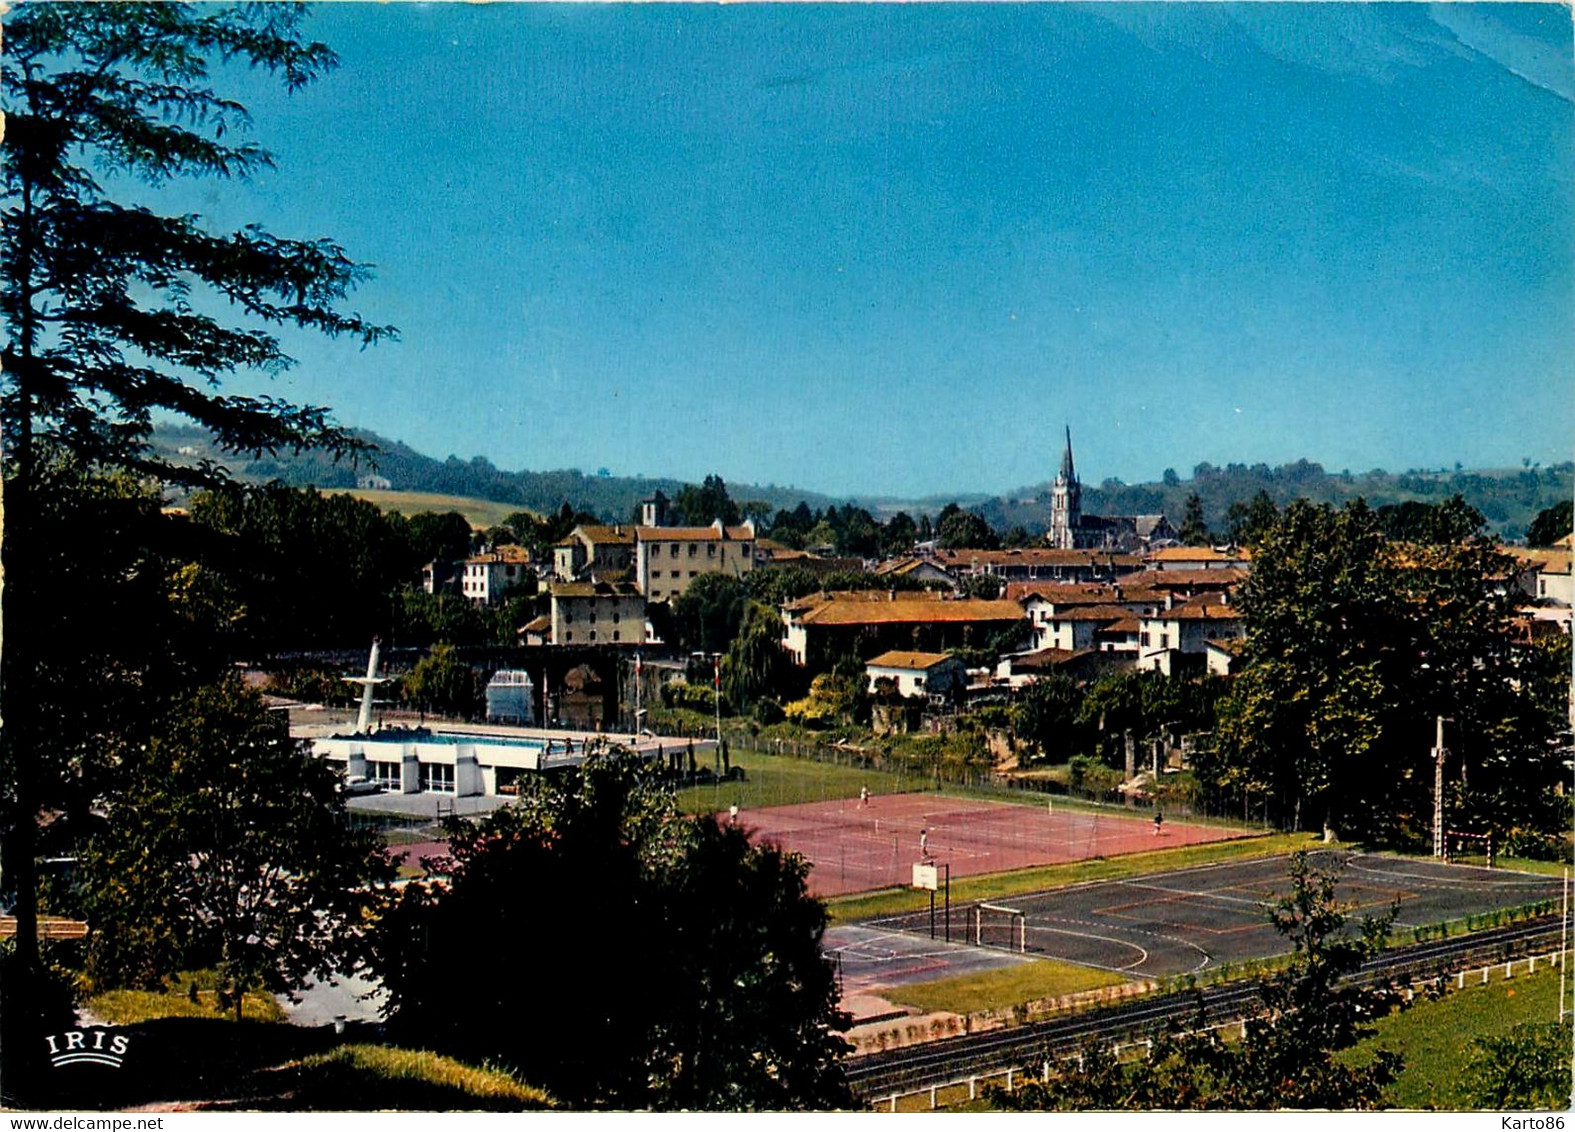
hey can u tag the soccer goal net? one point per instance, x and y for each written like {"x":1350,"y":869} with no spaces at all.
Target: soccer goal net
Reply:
{"x":1468,"y":848}
{"x":995,"y":925}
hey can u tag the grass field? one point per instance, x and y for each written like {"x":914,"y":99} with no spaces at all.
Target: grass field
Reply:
{"x":371,"y":1077}
{"x":127,"y":1007}
{"x":477,"y":512}
{"x":778,"y":780}
{"x":1435,"y":1037}
{"x":1001,"y":988}
{"x":998,"y":885}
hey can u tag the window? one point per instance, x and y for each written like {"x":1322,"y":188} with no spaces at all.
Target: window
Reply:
{"x":710,"y":550}
{"x":691,"y":573}
{"x":593,"y":634}
{"x":617,"y":636}
{"x":693,"y":550}
{"x":676,"y":574}
{"x":438,"y":778}
{"x":615,"y":617}
{"x":673,"y":550}
{"x":568,"y":636}
{"x":1145,"y":640}
{"x":385,"y":774}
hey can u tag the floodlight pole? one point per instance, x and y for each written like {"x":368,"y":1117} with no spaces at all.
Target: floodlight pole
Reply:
{"x":948,"y":867}
{"x":1439,"y":754}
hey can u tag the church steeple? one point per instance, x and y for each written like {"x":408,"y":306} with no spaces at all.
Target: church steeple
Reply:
{"x":1066,"y":502}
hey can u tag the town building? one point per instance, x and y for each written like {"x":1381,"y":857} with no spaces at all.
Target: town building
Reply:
{"x":597,"y":613}
{"x":821,"y":627}
{"x":916,"y":674}
{"x":487,"y":578}
{"x":668,"y":559}
{"x":1071,"y":529}
{"x":594,"y":553}
{"x":1175,"y":641}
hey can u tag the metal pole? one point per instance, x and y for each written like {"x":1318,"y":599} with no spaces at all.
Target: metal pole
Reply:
{"x":948,"y":868}
{"x":1438,"y":791}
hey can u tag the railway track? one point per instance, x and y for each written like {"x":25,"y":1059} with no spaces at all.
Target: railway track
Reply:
{"x":941,"y":1062}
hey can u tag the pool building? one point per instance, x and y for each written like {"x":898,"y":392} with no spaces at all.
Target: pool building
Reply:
{"x":465,"y":762}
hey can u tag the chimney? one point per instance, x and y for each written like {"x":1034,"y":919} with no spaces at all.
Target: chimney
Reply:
{"x":1170,"y":600}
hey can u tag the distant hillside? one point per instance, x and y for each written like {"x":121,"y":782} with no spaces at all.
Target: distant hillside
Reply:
{"x":613,"y":498}
{"x":1508,"y":498}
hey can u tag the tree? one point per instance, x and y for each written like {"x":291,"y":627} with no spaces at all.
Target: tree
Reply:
{"x":726,"y":1001}
{"x":756,"y":665}
{"x":899,"y":535}
{"x":442,"y":683}
{"x":701,"y":506}
{"x":230,"y":844}
{"x":708,"y":614}
{"x":110,"y":308}
{"x":1247,"y":522}
{"x":958,"y":530}
{"x":1310,"y":1012}
{"x":1551,"y":524}
{"x":1046,"y":715}
{"x":446,"y":537}
{"x":1194,"y":531}
{"x":1354,"y":647}
{"x":1527,"y":1068}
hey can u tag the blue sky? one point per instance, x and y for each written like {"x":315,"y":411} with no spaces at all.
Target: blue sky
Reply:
{"x":892,"y":249}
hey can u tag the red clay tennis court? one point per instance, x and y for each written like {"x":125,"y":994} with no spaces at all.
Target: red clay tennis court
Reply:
{"x":856,"y":847}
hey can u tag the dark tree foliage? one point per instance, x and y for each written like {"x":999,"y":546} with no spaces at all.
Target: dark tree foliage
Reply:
{"x":1246,"y":523}
{"x":1551,"y":524}
{"x":757,"y":668}
{"x":228,"y":845}
{"x":445,"y":537}
{"x":675,"y":965}
{"x":957,"y":529}
{"x":1144,"y":704}
{"x":308,"y":569}
{"x":1046,"y":715}
{"x":113,"y":311}
{"x":1309,"y":1013}
{"x":708,"y":614}
{"x":1449,"y":521}
{"x":898,"y":535}
{"x":703,"y":505}
{"x":1354,"y":646}
{"x":442,"y":683}
{"x":1194,"y":531}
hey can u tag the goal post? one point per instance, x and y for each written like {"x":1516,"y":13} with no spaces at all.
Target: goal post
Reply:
{"x":1468,"y":848}
{"x":996,"y":925}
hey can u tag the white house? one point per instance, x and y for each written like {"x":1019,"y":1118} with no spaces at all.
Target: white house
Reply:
{"x":486,"y":578}
{"x":1174,"y":640}
{"x":920,"y":674}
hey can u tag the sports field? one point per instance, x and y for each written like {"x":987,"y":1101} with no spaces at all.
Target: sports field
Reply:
{"x":857,"y":846}
{"x":1193,"y":920}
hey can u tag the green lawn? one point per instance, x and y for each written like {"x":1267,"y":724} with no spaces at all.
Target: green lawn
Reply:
{"x":999,"y":885}
{"x":1001,"y":988}
{"x":127,"y":1007}
{"x":1435,"y":1037}
{"x":779,"y":780}
{"x":370,"y":1077}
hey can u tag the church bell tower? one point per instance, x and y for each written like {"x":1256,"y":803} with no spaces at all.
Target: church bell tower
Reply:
{"x":1066,"y":502}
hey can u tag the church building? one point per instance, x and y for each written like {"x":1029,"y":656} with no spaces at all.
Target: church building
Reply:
{"x":1070,"y":529}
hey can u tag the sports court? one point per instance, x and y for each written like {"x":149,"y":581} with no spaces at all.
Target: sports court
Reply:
{"x":1195,"y":919}
{"x":856,"y":846}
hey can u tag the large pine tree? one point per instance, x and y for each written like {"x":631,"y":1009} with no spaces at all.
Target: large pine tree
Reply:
{"x":116,"y":312}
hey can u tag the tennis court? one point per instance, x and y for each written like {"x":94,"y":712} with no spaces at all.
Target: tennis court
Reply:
{"x":856,"y":846}
{"x":1191,"y":920}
